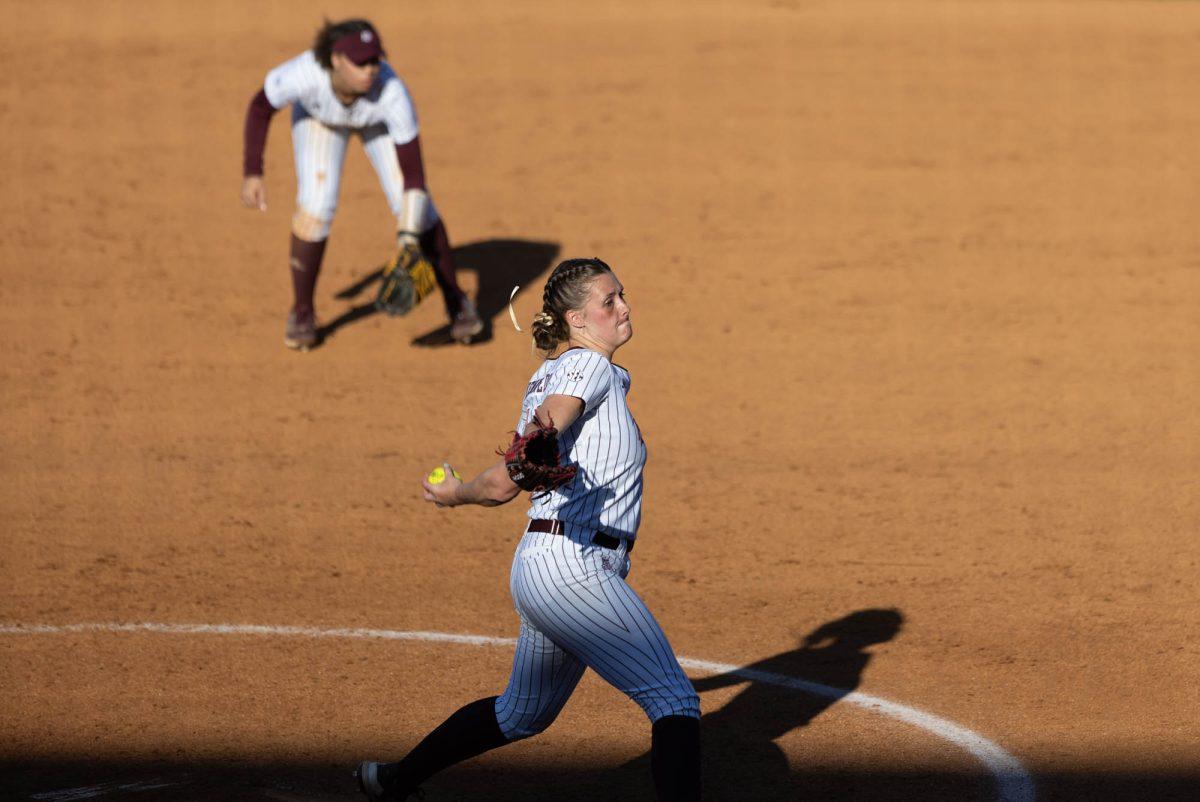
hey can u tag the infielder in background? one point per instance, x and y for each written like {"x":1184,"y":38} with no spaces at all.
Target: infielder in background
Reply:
{"x":342,"y":87}
{"x":568,"y":575}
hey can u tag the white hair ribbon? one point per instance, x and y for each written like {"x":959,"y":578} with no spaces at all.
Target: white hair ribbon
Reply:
{"x":511,"y":313}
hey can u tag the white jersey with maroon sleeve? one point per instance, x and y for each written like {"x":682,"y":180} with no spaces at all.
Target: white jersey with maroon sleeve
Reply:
{"x":304,"y":82}
{"x":604,"y":443}
{"x":322,"y":125}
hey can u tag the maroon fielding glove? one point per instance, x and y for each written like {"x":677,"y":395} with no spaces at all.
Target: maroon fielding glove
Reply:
{"x":533,"y":461}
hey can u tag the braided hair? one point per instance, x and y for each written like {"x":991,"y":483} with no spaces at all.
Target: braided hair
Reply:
{"x":566,"y":289}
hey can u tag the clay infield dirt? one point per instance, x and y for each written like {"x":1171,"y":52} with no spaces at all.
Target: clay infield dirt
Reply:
{"x":916,"y":292}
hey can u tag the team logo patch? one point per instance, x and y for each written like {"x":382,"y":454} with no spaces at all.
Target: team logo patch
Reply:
{"x":366,"y":36}
{"x":574,"y":375}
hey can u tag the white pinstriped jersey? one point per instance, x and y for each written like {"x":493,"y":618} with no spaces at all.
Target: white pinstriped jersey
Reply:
{"x":604,"y":443}
{"x":577,"y":611}
{"x":304,"y":81}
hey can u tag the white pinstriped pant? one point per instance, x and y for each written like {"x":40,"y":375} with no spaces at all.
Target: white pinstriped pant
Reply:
{"x":577,"y":612}
{"x":320,"y":152}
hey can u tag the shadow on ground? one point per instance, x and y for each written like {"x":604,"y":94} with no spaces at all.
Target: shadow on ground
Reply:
{"x":500,"y":264}
{"x":741,"y":758}
{"x":59,"y":781}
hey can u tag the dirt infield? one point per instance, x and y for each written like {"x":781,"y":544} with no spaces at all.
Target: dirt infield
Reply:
{"x":916,"y":289}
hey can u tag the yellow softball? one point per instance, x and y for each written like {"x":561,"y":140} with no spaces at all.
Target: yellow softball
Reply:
{"x":438,"y":475}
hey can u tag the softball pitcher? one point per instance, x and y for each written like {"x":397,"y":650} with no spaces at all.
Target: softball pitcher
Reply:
{"x":340,"y":88}
{"x":568,"y":575}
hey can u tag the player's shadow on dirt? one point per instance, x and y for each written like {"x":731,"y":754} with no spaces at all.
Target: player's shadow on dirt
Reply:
{"x":741,"y":758}
{"x":500,"y":265}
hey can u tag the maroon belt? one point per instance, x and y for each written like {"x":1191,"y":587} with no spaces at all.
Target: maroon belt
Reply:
{"x":558,"y":527}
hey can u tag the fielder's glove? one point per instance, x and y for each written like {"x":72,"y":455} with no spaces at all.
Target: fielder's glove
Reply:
{"x":407,"y":279}
{"x":533,"y":461}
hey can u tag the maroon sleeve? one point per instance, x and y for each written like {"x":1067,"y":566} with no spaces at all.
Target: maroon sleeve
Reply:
{"x":410,"y":163}
{"x":258,"y":119}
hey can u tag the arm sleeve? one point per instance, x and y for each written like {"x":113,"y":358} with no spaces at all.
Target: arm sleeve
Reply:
{"x":412,"y":167}
{"x":258,"y":120}
{"x":414,"y":211}
{"x":583,"y":374}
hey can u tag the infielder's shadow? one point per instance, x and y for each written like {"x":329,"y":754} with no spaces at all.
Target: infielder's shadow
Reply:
{"x":499,"y":263}
{"x":741,"y":759}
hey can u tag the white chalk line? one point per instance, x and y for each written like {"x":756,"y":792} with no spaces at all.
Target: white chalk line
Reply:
{"x":93,"y":791}
{"x":1013,"y":782}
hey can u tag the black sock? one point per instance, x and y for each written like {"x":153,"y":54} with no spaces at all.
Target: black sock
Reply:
{"x":675,"y":758}
{"x":471,"y":731}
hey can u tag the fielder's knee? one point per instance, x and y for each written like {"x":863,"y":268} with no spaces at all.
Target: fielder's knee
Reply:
{"x":311,"y":227}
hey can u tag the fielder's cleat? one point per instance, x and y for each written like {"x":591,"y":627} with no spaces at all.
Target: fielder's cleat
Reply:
{"x":467,"y":324}
{"x":367,"y":775}
{"x":301,"y":332}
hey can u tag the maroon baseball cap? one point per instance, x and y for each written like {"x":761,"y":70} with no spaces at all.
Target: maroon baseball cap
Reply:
{"x":360,"y":46}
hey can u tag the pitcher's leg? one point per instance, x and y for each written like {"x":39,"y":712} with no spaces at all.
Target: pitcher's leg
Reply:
{"x":597,"y":617}
{"x":543,"y":678}
{"x":470,"y":731}
{"x":604,"y":623}
{"x":575,"y":595}
{"x":675,"y":758}
{"x":673,"y":706}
